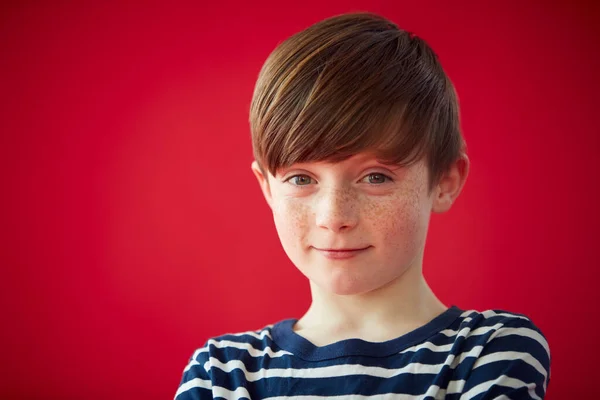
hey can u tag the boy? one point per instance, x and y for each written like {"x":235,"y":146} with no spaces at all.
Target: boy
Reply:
{"x":356,"y":140}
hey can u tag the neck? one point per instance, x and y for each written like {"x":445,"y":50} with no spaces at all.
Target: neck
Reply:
{"x":400,"y":306}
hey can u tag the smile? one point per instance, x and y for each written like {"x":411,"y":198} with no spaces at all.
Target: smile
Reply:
{"x":341,"y":254}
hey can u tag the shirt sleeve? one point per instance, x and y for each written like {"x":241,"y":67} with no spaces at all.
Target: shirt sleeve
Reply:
{"x":514,"y":364}
{"x":196,"y":381}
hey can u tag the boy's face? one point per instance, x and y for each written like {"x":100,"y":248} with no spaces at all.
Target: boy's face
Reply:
{"x":354,"y":204}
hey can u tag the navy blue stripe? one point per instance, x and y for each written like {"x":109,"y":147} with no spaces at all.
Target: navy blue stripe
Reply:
{"x":521,"y":393}
{"x":195,"y":394}
{"x":259,"y":344}
{"x":517,"y":369}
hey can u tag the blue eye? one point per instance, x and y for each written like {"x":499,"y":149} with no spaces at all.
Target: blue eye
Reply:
{"x":299,"y":180}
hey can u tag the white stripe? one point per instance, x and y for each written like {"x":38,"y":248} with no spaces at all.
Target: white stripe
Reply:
{"x":490,"y":313}
{"x":456,"y":386}
{"x":261,"y":334}
{"x":474,"y":353}
{"x":467,"y":332}
{"x":254,"y":352}
{"x":510,"y":356}
{"x":332,"y":371}
{"x":240,"y":345}
{"x":484,"y":330}
{"x":429,"y":346}
{"x":193,"y":359}
{"x":386,"y":396}
{"x":217,"y":391}
{"x":503,"y":380}
{"x":530,"y":333}
{"x":435,"y":392}
{"x":449,"y":332}
{"x":193,"y":383}
{"x":467,"y":313}
{"x":453,"y":388}
{"x":240,"y":391}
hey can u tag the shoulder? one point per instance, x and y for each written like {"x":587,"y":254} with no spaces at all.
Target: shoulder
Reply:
{"x":236,"y":346}
{"x":494,"y":316}
{"x":507,"y":351}
{"x":489,"y":325}
{"x":221,"y":355}
{"x":255,"y":343}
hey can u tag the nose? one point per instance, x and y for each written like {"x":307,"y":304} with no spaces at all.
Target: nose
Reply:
{"x":337,"y":209}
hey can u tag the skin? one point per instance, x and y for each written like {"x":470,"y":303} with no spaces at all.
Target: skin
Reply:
{"x":380,"y":293}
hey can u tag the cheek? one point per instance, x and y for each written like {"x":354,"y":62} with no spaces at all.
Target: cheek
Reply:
{"x":399,"y":222}
{"x":291,"y":220}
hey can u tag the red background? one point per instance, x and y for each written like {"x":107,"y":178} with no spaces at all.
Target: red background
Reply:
{"x":133,"y":228}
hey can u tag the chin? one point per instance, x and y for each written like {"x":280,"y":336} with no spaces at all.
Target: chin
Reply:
{"x":347,"y":291}
{"x":345,"y":287}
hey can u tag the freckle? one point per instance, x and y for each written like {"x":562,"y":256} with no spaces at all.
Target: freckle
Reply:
{"x":298,"y":213}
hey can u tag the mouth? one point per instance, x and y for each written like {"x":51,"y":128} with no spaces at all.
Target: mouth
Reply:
{"x":343,"y":248}
{"x":341,"y":254}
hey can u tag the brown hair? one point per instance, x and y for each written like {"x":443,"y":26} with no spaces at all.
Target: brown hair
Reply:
{"x":351,"y":83}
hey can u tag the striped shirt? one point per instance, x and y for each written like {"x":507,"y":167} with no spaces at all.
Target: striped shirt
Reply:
{"x":493,"y":354}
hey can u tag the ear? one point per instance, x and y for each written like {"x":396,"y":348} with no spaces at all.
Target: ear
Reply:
{"x":263,"y":181}
{"x":450,"y":185}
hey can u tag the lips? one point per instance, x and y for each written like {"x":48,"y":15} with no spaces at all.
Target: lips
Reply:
{"x":344,"y":249}
{"x":341,"y":254}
